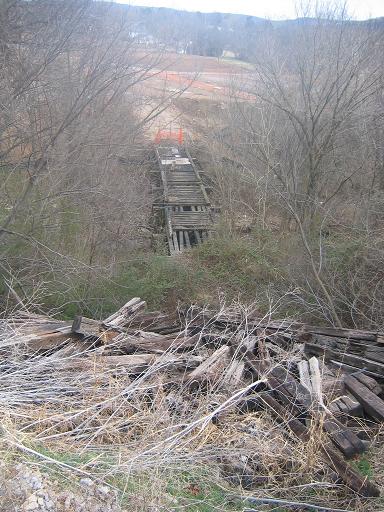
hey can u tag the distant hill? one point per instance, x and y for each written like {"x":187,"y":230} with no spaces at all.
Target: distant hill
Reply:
{"x":209,"y":34}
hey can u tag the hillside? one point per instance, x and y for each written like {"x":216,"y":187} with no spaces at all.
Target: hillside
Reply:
{"x":229,"y":170}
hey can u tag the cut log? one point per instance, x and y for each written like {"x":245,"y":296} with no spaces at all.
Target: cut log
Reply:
{"x":372,"y":404}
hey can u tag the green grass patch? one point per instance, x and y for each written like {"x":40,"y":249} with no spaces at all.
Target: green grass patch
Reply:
{"x":237,"y":267}
{"x":67,"y":457}
{"x":241,"y":267}
{"x":160,"y":280}
{"x":196,"y":492}
{"x":364,"y":467}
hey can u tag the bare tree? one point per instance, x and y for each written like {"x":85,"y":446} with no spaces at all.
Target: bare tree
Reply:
{"x":304,"y":142}
{"x":71,"y":104}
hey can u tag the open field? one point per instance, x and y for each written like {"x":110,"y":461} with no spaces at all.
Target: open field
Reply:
{"x":199,"y":85}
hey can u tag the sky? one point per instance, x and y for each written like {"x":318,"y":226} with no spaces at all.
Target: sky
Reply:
{"x":274,"y":9}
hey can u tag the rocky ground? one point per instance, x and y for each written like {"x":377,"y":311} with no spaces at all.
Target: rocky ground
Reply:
{"x":23,"y":489}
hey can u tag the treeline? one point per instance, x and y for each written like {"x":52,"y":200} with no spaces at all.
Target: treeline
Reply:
{"x":206,"y":34}
{"x":212,"y":34}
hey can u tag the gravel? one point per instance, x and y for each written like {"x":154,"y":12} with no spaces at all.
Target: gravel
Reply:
{"x":23,"y":489}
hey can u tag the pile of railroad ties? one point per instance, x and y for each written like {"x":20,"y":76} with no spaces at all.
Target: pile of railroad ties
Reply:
{"x":301,"y":374}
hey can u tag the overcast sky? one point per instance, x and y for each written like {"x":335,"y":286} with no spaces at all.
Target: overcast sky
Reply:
{"x":275,"y":9}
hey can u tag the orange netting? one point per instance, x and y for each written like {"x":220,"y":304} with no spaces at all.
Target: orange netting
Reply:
{"x":177,"y":136}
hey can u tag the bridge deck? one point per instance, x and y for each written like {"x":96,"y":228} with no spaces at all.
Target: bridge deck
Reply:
{"x":188,"y":211}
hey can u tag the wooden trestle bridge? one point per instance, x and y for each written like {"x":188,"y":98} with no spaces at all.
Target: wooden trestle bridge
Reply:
{"x":188,"y":213}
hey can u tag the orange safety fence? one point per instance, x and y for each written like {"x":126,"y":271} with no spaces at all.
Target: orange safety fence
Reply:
{"x":177,"y":136}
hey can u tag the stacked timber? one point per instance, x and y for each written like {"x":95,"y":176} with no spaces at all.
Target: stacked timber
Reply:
{"x":296,"y":373}
{"x":349,"y":349}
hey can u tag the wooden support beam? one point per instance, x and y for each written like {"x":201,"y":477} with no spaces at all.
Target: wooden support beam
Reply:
{"x":175,"y":242}
{"x":181,"y":240}
{"x":187,"y":240}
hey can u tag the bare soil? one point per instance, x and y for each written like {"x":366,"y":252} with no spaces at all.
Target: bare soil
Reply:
{"x":200,"y":85}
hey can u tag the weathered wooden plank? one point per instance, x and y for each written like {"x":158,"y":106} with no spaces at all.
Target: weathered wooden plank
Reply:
{"x":352,"y":334}
{"x":297,"y":391}
{"x":134,"y":363}
{"x":332,"y":382}
{"x":351,"y":359}
{"x":233,"y":374}
{"x":197,"y":236}
{"x":345,"y":439}
{"x":181,"y":240}
{"x":38,"y":342}
{"x":347,"y":368}
{"x":123,"y":314}
{"x":211,"y":369}
{"x":303,"y":330}
{"x":370,"y":350}
{"x":369,"y":382}
{"x":372,"y":404}
{"x":316,"y":382}
{"x":299,"y":400}
{"x":305,"y":378}
{"x":88,"y":328}
{"x":175,"y":242}
{"x":187,"y":239}
{"x":346,"y":405}
{"x":150,"y":342}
